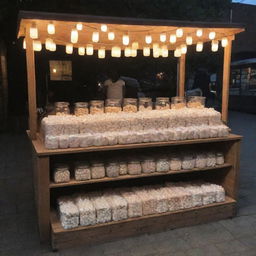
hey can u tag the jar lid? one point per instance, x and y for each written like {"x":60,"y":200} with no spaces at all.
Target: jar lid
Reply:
{"x":131,"y":100}
{"x":96,"y":102}
{"x":81,"y":104}
{"x":162,"y":99}
{"x":81,"y":164}
{"x":134,"y":162}
{"x":144,"y":99}
{"x":61,"y":103}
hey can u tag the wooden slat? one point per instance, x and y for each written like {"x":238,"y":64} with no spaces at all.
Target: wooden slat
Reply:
{"x":181,"y":75}
{"x":74,"y":182}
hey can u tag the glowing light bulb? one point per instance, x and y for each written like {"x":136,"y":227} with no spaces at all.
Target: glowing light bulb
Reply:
{"x":48,"y":42}
{"x":146,"y":51}
{"x":116,"y":51}
{"x":127,"y":52}
{"x":81,"y":50}
{"x":104,"y":28}
{"x":134,"y":53}
{"x":33,"y":32}
{"x":224,"y":42}
{"x":69,"y":48}
{"x":199,"y":46}
{"x":177,"y":52}
{"x":162,"y":37}
{"x":24,"y":43}
{"x":212,"y":35}
{"x":79,"y":26}
{"x":135,"y":45}
{"x":164,"y":51}
{"x":126,"y":40}
{"x":189,"y":40}
{"x":89,"y":49}
{"x":156,"y":52}
{"x":215,"y":45}
{"x":179,"y":32}
{"x":52,"y":47}
{"x":37,"y":46}
{"x":173,"y":39}
{"x":183,"y":49}
{"x":101,"y":53}
{"x":111,"y":36}
{"x":74,"y":36}
{"x":95,"y":37}
{"x":148,"y":39}
{"x":51,"y":29}
{"x":155,"y":46}
{"x":199,"y":32}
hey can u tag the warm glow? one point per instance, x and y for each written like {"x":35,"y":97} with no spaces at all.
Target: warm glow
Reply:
{"x":126,"y":40}
{"x":146,"y":51}
{"x":37,"y":46}
{"x":116,"y":51}
{"x":164,"y":51}
{"x":148,"y":39}
{"x":155,"y":46}
{"x":79,"y":26}
{"x":33,"y":32}
{"x":52,"y":47}
{"x":69,"y":48}
{"x":81,"y":50}
{"x":111,"y":36}
{"x":173,"y":39}
{"x":215,"y":45}
{"x":48,"y":42}
{"x":101,"y":53}
{"x":127,"y":52}
{"x":89,"y":49}
{"x":156,"y":52}
{"x":189,"y":40}
{"x":95,"y":37}
{"x":104,"y":28}
{"x":24,"y":43}
{"x":179,"y":32}
{"x":183,"y":49}
{"x":199,"y":46}
{"x":51,"y":28}
{"x":212,"y":35}
{"x":54,"y":70}
{"x":163,"y":37}
{"x":74,"y":36}
{"x":135,"y":45}
{"x":177,"y":52}
{"x":134,"y":53}
{"x":199,"y":32}
{"x":224,"y":42}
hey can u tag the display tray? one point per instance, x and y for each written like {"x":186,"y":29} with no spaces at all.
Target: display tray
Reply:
{"x":62,"y":238}
{"x":42,"y":151}
{"x":74,"y":182}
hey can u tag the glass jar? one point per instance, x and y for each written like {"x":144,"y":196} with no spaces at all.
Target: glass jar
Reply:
{"x":113,"y":106}
{"x":82,"y":171}
{"x":162,"y":103}
{"x":211,"y":159}
{"x":188,"y":162}
{"x":145,"y":104}
{"x":220,"y":158}
{"x":148,"y":165}
{"x":134,"y":167}
{"x":96,"y":107}
{"x":201,"y":160}
{"x":178,"y":102}
{"x":130,"y":105}
{"x":175,"y":163}
{"x":97,"y":170}
{"x":112,"y":169}
{"x":123,"y":168}
{"x":62,"y":108}
{"x":61,"y":173}
{"x":162,"y":165}
{"x":81,"y":109}
{"x":196,"y":102}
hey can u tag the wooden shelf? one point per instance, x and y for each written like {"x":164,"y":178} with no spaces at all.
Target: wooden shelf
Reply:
{"x":62,"y":238}
{"x":74,"y":182}
{"x":42,"y":151}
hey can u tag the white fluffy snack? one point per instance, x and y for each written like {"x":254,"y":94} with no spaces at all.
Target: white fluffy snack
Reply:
{"x":86,"y":140}
{"x":74,"y":141}
{"x":134,"y":204}
{"x":69,"y":214}
{"x":220,"y":193}
{"x":63,"y":141}
{"x":201,"y":160}
{"x":162,"y":200}
{"x":174,"y":200}
{"x":51,"y":142}
{"x":209,"y":195}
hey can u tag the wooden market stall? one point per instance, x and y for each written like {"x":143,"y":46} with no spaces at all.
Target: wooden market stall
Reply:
{"x":62,"y":29}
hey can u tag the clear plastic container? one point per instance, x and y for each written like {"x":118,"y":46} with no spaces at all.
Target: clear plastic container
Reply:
{"x":112,"y":169}
{"x":148,"y":165}
{"x":178,"y":102}
{"x":96,"y":107}
{"x":123,"y":169}
{"x":220,"y":158}
{"x":81,"y":109}
{"x":162,"y":165}
{"x":62,"y":108}
{"x":175,"y":163}
{"x":211,"y":159}
{"x":113,"y":106}
{"x":130,"y":105}
{"x":145,"y":104}
{"x":162,"y":103}
{"x":82,"y":171}
{"x":97,"y":170}
{"x":61,"y":173}
{"x":196,"y":102}
{"x":134,"y":167}
{"x":188,"y":162}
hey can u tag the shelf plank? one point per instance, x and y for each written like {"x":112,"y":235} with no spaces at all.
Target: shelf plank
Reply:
{"x":74,"y":182}
{"x":41,"y":150}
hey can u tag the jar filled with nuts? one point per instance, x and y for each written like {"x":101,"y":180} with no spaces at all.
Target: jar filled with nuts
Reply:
{"x":220,"y":158}
{"x":61,"y":173}
{"x":188,"y":162}
{"x":148,"y":165}
{"x":134,"y":167}
{"x":96,"y":107}
{"x":82,"y":171}
{"x":113,"y":106}
{"x":97,"y":170}
{"x":62,"y":108}
{"x":196,"y":102}
{"x":81,"y":109}
{"x":162,"y":103}
{"x":178,"y":102}
{"x":123,"y":169}
{"x":130,"y":105}
{"x":145,"y":104}
{"x":112,"y":169}
{"x":162,"y":164}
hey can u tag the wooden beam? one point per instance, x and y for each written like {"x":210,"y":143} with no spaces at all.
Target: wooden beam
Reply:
{"x":181,"y":69}
{"x":31,"y":80}
{"x":226,"y":79}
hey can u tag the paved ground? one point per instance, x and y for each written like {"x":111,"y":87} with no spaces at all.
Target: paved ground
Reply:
{"x":19,"y":235}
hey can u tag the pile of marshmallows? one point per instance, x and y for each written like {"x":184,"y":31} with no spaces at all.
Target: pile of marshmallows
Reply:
{"x":125,"y":128}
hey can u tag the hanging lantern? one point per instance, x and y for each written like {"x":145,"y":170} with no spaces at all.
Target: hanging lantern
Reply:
{"x":164,"y":51}
{"x":224,"y":42}
{"x":163,"y":37}
{"x":189,"y":40}
{"x":215,"y":45}
{"x":183,"y":49}
{"x":81,"y":50}
{"x":155,"y":46}
{"x":134,"y":52}
{"x":51,"y":29}
{"x":199,"y":46}
{"x":101,"y":53}
{"x":89,"y":49}
{"x":69,"y":48}
{"x":148,"y":39}
{"x":146,"y":51}
{"x":173,"y":39}
{"x":212,"y":35}
{"x":104,"y":28}
{"x":116,"y":52}
{"x":199,"y":32}
{"x":111,"y":36}
{"x":135,"y":45}
{"x":79,"y":26}
{"x":126,"y":39}
{"x":177,"y":52}
{"x":127,"y":52}
{"x":52,"y":47}
{"x":33,"y":32}
{"x":74,"y":36}
{"x":156,"y":52}
{"x":24,"y":43}
{"x":95,"y":37}
{"x":48,"y":42}
{"x":179,"y":32}
{"x":37,"y":46}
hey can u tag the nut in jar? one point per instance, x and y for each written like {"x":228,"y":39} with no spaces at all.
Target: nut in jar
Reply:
{"x":81,"y":109}
{"x":130,"y":105}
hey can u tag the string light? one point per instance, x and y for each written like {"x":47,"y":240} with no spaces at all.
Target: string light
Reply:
{"x":183,"y":49}
{"x":33,"y":32}
{"x":199,"y":46}
{"x":134,"y":53}
{"x":101,"y":53}
{"x":24,"y":43}
{"x":104,"y":28}
{"x":179,"y":32}
{"x":79,"y":26}
{"x":74,"y":36}
{"x":69,"y":48}
{"x":48,"y":42}
{"x":148,"y":39}
{"x":189,"y":40}
{"x":212,"y":35}
{"x":111,"y":36}
{"x":135,"y":45}
{"x":127,"y":52}
{"x":126,"y":40}
{"x":95,"y":37}
{"x":146,"y":51}
{"x":199,"y":32}
{"x":163,"y":37}
{"x":51,"y":29}
{"x":215,"y":45}
{"x":81,"y":50}
{"x":37,"y":46}
{"x":116,"y":51}
{"x":177,"y":52}
{"x":173,"y":39}
{"x":224,"y":42}
{"x":164,"y":51}
{"x":89,"y":49}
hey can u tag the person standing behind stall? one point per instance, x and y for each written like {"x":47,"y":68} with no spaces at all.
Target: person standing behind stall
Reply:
{"x":115,"y":86}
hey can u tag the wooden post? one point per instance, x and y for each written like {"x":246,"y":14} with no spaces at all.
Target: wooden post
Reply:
{"x":181,"y":75}
{"x":31,"y":80}
{"x":225,"y":81}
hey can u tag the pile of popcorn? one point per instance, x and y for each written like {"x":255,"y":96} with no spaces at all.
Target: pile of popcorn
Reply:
{"x":122,"y":203}
{"x":126,"y":128}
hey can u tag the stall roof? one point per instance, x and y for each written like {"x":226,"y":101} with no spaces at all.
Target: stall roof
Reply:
{"x":136,"y":28}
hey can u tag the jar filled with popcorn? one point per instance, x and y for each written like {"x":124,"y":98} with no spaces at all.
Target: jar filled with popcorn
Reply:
{"x":178,"y":102}
{"x":81,"y":109}
{"x":145,"y":104}
{"x":162,"y":103}
{"x":196,"y":102}
{"x":130,"y":105}
{"x":62,"y":108}
{"x":96,"y":107}
{"x":113,"y":106}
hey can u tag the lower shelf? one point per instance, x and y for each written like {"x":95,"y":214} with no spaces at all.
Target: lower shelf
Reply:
{"x":62,"y":238}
